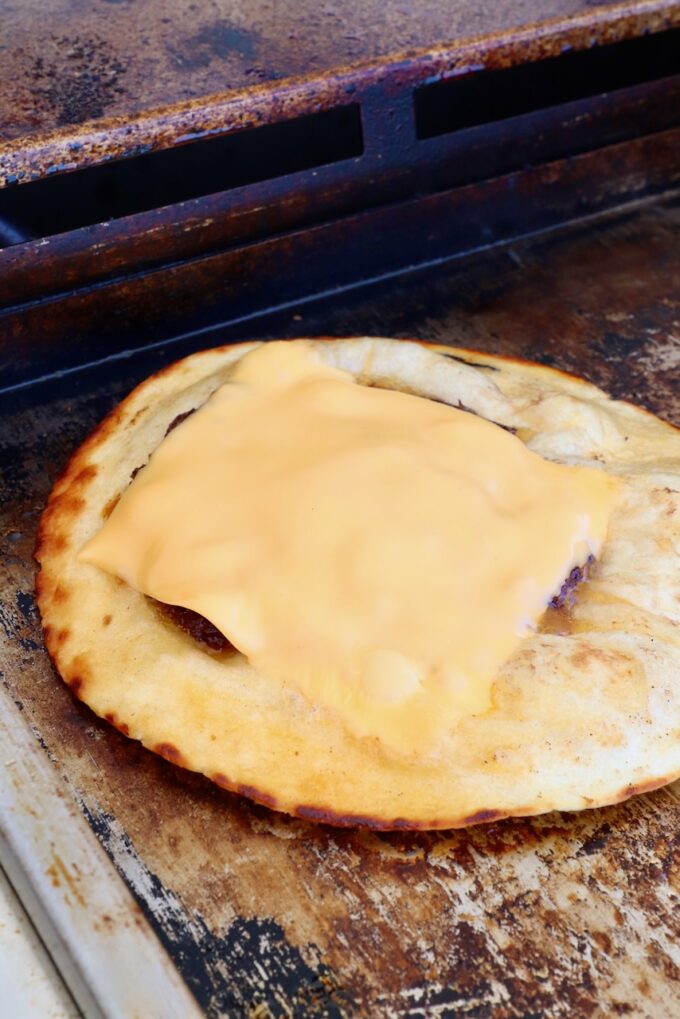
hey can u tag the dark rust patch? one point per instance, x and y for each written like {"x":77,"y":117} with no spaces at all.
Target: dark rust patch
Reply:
{"x":219,"y":40}
{"x":597,"y":841}
{"x":60,"y":594}
{"x":53,"y":875}
{"x":77,"y":78}
{"x":603,"y":941}
{"x":71,"y":877}
{"x":106,"y":620}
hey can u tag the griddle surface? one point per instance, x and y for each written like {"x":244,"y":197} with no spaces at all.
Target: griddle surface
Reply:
{"x":560,"y":915}
{"x":64,"y":63}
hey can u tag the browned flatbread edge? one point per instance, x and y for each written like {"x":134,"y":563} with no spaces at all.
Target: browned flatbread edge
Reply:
{"x":66,"y":500}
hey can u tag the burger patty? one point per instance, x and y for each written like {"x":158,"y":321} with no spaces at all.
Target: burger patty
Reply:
{"x":565,"y":597}
{"x":196,"y":625}
{"x":206,"y":633}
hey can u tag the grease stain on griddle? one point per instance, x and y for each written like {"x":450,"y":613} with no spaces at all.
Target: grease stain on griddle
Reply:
{"x":249,"y":969}
{"x":27,"y":607}
{"x":219,"y":40}
{"x":618,"y":346}
{"x":77,"y":78}
{"x":595,"y":842}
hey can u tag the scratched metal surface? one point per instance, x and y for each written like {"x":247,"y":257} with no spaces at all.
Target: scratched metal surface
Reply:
{"x":64,"y":62}
{"x":265,"y":916}
{"x":86,"y":81}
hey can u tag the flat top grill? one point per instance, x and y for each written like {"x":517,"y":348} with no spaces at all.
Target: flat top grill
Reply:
{"x":64,"y":63}
{"x":180,"y":175}
{"x":81,"y":84}
{"x":266,"y":916}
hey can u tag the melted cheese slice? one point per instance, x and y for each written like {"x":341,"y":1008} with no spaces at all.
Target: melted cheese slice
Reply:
{"x":379,"y":553}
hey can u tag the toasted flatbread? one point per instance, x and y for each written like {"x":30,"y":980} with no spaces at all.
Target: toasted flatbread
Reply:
{"x":586,"y":712}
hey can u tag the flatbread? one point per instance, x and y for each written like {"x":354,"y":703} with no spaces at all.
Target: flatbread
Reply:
{"x":586,"y":712}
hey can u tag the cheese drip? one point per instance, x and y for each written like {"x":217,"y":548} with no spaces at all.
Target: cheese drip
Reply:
{"x":379,"y":553}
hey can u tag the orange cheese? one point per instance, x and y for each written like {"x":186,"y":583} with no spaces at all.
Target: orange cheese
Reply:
{"x":379,"y":553}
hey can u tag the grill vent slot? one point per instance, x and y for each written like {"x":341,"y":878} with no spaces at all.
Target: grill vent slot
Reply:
{"x":154,"y":180}
{"x":386,"y":145}
{"x":490,"y":96}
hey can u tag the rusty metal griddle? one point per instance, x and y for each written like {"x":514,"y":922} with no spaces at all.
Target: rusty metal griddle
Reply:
{"x":521,"y":127}
{"x":563,"y":915}
{"x":66,"y":64}
{"x":517,"y":192}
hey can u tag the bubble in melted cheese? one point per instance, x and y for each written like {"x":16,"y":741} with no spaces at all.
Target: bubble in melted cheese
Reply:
{"x":379,"y":553}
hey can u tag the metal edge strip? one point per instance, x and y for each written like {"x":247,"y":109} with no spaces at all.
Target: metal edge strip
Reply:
{"x":101,"y":943}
